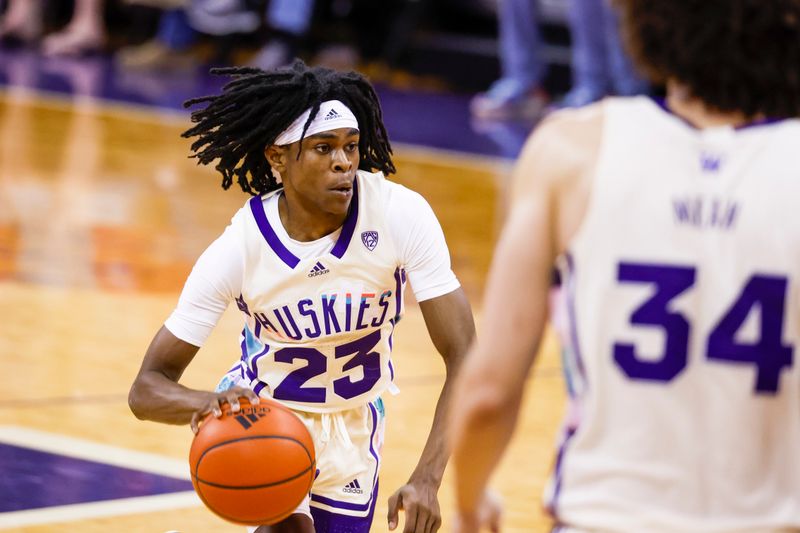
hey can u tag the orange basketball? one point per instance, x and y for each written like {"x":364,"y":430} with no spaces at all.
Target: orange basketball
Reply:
{"x":253,"y":467}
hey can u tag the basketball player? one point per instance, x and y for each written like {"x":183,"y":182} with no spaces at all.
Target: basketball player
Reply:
{"x":316,"y":262}
{"x":675,"y":225}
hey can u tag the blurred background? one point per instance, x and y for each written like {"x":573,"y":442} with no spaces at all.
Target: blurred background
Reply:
{"x":102,"y":216}
{"x":476,"y":62}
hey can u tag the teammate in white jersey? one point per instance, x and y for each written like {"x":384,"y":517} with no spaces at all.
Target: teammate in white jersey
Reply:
{"x":676,"y":228}
{"x":316,"y":262}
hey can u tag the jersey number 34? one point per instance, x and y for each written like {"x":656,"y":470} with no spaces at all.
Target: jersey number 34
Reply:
{"x":768,"y":353}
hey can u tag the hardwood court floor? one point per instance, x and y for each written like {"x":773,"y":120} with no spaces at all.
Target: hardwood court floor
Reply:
{"x":102,"y":216}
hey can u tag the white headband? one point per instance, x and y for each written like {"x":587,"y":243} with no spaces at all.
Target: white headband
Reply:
{"x":331,"y":115}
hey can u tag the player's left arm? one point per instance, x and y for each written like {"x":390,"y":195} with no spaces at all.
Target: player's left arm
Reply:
{"x":551,"y":182}
{"x":451,"y":328}
{"x":488,"y":393}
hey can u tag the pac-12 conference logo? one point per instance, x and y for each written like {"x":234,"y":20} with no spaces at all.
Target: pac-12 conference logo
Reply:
{"x":370,"y":239}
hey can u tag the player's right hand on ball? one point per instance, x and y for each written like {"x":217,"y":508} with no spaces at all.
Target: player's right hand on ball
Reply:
{"x":217,"y":399}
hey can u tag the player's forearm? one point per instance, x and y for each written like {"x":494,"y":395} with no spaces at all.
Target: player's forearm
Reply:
{"x":483,"y":423}
{"x":153,"y":396}
{"x":452,"y":329}
{"x":485,"y":410}
{"x":435,"y":454}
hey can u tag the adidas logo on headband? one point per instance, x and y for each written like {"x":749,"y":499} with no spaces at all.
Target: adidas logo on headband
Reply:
{"x":332,"y":114}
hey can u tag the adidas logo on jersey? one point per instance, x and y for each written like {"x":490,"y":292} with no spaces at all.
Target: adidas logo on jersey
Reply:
{"x":353,"y":488}
{"x":332,"y":114}
{"x":318,"y":270}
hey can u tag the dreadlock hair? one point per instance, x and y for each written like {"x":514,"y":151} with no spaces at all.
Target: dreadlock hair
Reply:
{"x":734,"y":55}
{"x":256,"y":106}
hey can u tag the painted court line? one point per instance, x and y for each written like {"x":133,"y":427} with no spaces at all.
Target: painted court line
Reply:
{"x":85,"y":511}
{"x":93,"y":451}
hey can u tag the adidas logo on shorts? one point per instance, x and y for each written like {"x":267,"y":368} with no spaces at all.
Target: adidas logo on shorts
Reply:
{"x":332,"y":114}
{"x":353,"y":488}
{"x":318,"y":270}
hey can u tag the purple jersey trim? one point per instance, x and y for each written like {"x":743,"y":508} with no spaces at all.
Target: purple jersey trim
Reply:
{"x":252,"y":370}
{"x":257,"y":207}
{"x":259,"y":387}
{"x":391,"y":347}
{"x":374,"y":496}
{"x":569,"y":432}
{"x":254,"y":362}
{"x":274,"y":242}
{"x":573,"y":318}
{"x":341,"y":505}
{"x":558,"y":475}
{"x":398,"y":294}
{"x":349,"y":226}
{"x":243,"y":346}
{"x":333,"y":522}
{"x":371,"y":503}
{"x":662,"y":103}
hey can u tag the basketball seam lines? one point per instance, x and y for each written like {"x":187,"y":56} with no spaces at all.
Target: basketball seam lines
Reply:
{"x":248,"y":487}
{"x":254,"y":437}
{"x":260,"y":520}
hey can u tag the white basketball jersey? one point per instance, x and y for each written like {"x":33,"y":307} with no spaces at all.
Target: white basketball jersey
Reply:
{"x":318,"y":333}
{"x":681,"y":297}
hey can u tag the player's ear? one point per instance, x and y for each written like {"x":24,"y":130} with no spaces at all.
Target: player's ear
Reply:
{"x":277,"y":156}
